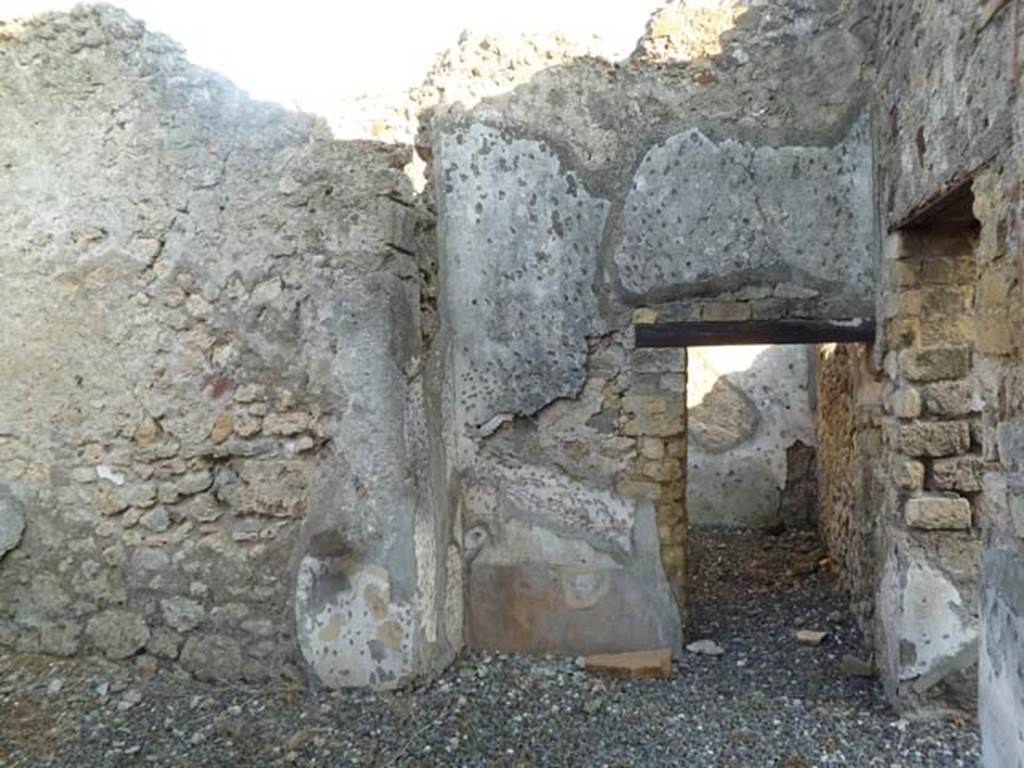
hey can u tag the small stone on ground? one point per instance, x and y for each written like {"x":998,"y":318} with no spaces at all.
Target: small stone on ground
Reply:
{"x":706,"y":647}
{"x":633,"y":665}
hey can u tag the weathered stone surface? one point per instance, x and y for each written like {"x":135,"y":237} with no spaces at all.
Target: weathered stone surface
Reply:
{"x":60,"y":637}
{"x":935,"y":364}
{"x":518,"y":233}
{"x":908,"y":474}
{"x":906,"y":403}
{"x":215,"y":658}
{"x":850,"y":465}
{"x":810,"y":636}
{"x":117,"y":634}
{"x":181,"y":613}
{"x":949,"y":398}
{"x":632,"y":665}
{"x":164,"y":643}
{"x":705,"y":648}
{"x":788,"y":211}
{"x":179,"y":292}
{"x":939,"y":127}
{"x":963,"y":473}
{"x":724,"y":418}
{"x":1001,"y":658}
{"x":935,"y":513}
{"x":12,"y":520}
{"x":935,"y":439}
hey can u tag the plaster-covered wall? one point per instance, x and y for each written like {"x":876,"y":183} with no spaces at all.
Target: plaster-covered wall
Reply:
{"x":212,"y":429}
{"x":751,"y":436}
{"x":576,"y":197}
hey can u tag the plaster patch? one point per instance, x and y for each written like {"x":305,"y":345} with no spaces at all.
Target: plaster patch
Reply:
{"x":348,"y":630}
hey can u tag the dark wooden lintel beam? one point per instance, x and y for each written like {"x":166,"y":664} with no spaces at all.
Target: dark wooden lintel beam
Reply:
{"x":713,"y":334}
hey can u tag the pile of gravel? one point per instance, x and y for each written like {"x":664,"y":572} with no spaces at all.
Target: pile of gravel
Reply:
{"x":766,"y":701}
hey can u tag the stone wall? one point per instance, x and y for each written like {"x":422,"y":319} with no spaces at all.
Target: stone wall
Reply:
{"x":212,"y":430}
{"x":849,"y":444}
{"x":256,"y":405}
{"x":576,"y":197}
{"x":930,"y":433}
{"x":950,"y":133}
{"x":751,"y":437}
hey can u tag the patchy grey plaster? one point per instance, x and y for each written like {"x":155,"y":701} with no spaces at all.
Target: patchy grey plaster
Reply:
{"x":703,"y":217}
{"x":519,"y":236}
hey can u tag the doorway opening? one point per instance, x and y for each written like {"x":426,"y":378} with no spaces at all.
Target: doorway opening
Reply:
{"x":760,"y":584}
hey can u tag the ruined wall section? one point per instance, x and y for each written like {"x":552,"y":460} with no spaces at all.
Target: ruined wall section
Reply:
{"x":931,"y":434}
{"x":203,"y":292}
{"x":944,"y":105}
{"x":577,"y":197}
{"x":849,"y":414}
{"x":949,"y":119}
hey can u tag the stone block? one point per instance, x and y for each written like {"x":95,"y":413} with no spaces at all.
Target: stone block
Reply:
{"x":947,"y":332}
{"x":996,"y":334}
{"x":645,"y":316}
{"x":906,"y":403}
{"x":181,"y":613}
{"x":652,"y":448}
{"x":934,"y":439}
{"x":213,"y":658}
{"x":994,"y":287}
{"x":940,"y":270}
{"x":117,"y":634}
{"x":948,"y":398}
{"x":907,"y":273}
{"x":963,"y":473}
{"x":723,"y":311}
{"x":909,"y":303}
{"x":938,"y":513}
{"x":908,"y":474}
{"x":946,"y":300}
{"x":633,"y":665}
{"x":658,"y":360}
{"x":902,"y":332}
{"x":59,"y":638}
{"x":640,"y":488}
{"x":936,"y":364}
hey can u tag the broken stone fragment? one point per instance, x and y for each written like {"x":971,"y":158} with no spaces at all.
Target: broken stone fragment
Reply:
{"x":147,"y":431}
{"x":221,"y":429}
{"x":632,"y":665}
{"x":290,"y":423}
{"x":706,"y":648}
{"x":854,"y":667}
{"x":810,"y":636}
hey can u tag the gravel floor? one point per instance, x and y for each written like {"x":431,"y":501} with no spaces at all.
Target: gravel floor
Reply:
{"x":767,"y":701}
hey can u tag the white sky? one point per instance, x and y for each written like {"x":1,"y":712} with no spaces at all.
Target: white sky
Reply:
{"x":309,"y":53}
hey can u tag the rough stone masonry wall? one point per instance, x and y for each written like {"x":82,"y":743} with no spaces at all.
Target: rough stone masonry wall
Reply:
{"x":849,"y":444}
{"x":949,"y":114}
{"x":717,"y":179}
{"x":751,"y":451}
{"x":932,"y":447}
{"x":211,"y":419}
